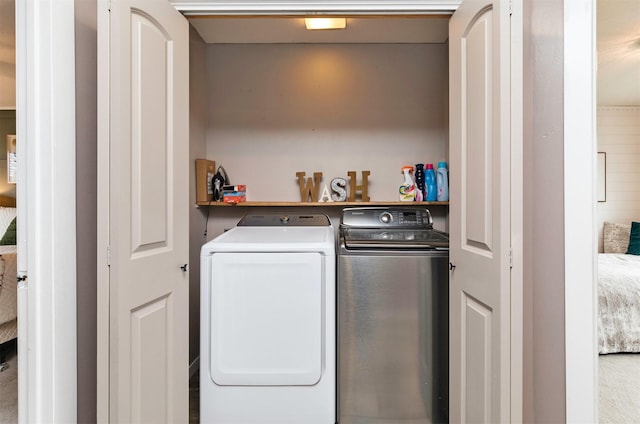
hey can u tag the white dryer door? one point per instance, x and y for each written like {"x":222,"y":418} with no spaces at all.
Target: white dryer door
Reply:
{"x":266,"y":318}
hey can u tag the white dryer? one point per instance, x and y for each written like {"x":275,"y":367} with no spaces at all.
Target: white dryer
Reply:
{"x":268,"y":331}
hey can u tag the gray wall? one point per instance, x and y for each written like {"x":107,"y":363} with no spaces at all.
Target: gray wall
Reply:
{"x":86,"y":160}
{"x":7,"y":54}
{"x":275,"y":109}
{"x":544,"y":336}
{"x":7,"y":127}
{"x":197,"y":216}
{"x":7,"y":88}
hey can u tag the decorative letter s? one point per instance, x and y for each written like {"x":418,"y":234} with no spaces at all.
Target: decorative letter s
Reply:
{"x":339,"y":193}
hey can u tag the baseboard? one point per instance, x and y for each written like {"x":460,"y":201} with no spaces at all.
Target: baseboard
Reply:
{"x":194,"y":366}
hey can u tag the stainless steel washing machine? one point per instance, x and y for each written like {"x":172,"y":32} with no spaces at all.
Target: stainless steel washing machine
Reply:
{"x":393,"y":331}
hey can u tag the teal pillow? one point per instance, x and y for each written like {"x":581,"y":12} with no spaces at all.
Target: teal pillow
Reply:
{"x":9,"y":237}
{"x":634,"y":239}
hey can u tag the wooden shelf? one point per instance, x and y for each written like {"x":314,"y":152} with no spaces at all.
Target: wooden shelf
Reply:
{"x":320,"y":204}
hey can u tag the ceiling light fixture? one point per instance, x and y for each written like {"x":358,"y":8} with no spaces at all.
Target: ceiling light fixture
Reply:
{"x":325,"y":23}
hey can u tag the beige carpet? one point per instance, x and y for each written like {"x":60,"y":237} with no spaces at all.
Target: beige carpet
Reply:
{"x":619,"y":385}
{"x":9,"y":392}
{"x":9,"y":389}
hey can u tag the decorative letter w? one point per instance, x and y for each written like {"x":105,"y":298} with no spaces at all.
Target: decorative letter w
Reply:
{"x":311,"y":189}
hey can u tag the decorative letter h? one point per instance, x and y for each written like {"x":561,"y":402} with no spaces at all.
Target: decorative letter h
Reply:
{"x":353,"y":187}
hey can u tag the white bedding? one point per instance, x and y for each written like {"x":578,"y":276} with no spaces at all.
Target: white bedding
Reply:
{"x":8,"y":281}
{"x":9,"y":284}
{"x":618,"y":303}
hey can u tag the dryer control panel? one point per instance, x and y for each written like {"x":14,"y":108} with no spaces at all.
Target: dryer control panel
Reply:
{"x":275,"y":220}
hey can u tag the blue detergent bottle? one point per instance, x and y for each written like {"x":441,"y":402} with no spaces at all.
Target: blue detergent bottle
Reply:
{"x":442,"y":179}
{"x":430,"y":183}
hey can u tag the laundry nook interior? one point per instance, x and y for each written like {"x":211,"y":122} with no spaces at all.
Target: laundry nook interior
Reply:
{"x":271,"y":99}
{"x":292,"y":123}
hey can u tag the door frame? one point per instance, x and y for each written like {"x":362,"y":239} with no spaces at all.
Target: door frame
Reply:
{"x":301,"y":7}
{"x":580,"y":205}
{"x":46,"y":198}
{"x":43,"y":23}
{"x":296,"y":7}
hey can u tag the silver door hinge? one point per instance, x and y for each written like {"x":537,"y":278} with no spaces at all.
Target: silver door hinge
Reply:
{"x":510,"y":258}
{"x":108,"y":255}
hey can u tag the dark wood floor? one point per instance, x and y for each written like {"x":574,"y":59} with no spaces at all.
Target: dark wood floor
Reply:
{"x":194,"y":399}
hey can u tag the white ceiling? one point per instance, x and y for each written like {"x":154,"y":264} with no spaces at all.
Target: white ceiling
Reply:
{"x":618,"y":45}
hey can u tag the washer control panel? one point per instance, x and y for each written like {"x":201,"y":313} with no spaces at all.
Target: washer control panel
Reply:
{"x":275,"y":220}
{"x":387,"y":217}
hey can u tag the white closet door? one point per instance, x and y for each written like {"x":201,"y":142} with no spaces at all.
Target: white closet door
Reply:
{"x":479,"y":42}
{"x":267,"y":318}
{"x":145,"y":177}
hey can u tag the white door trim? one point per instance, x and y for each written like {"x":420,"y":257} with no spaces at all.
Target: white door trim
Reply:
{"x":103,"y":249}
{"x":580,"y":212}
{"x":257,"y":7}
{"x":517,"y":214}
{"x":45,"y":100}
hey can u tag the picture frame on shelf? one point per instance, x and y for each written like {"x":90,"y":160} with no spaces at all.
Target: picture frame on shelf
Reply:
{"x":602,"y":177}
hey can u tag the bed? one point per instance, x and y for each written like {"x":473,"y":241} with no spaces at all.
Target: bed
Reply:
{"x":618,"y":293}
{"x":8,"y":294}
{"x":8,"y":273}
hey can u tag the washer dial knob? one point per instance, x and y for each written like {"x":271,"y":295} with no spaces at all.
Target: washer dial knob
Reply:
{"x":386,"y":218}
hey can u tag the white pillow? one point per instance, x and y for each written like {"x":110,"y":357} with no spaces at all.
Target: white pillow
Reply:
{"x":616,"y":237}
{"x":6,"y":216}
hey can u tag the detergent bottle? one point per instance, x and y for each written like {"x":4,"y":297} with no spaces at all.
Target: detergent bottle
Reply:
{"x":407,"y":189}
{"x":430,"y":183}
{"x":419,"y":176}
{"x":442,"y":182}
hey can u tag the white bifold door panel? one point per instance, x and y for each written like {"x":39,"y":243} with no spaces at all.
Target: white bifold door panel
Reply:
{"x":147,"y":225}
{"x":267,"y":318}
{"x":479,"y":43}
